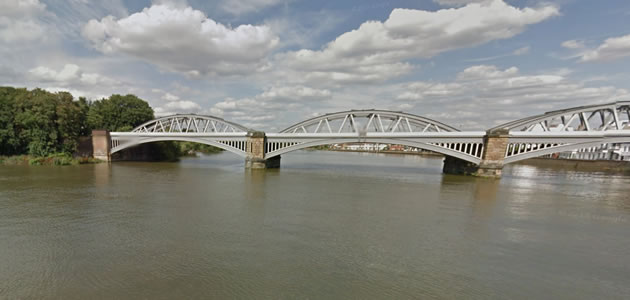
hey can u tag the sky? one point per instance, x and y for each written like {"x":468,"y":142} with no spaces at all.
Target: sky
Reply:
{"x":266,"y":64}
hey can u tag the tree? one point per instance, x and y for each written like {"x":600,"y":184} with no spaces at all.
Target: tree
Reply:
{"x":9,"y":142}
{"x":35,"y":115}
{"x":70,"y":121}
{"x":118,"y":113}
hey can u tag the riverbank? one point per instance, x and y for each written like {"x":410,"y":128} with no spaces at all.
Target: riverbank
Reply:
{"x":58,"y":159}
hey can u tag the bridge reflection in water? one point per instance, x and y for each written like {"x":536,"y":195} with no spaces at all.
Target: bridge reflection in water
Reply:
{"x":482,"y":153}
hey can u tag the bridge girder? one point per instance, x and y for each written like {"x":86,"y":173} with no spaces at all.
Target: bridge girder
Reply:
{"x":370,"y":120}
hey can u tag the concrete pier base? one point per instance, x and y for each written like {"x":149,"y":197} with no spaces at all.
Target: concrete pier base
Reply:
{"x":101,"y":145}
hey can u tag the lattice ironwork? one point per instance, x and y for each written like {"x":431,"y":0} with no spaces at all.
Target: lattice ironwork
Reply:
{"x":362,"y":121}
{"x":189,"y":124}
{"x":464,"y":145}
{"x":611,"y":116}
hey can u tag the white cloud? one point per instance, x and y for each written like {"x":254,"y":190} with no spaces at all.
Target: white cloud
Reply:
{"x":174,"y":104}
{"x":170,"y":97}
{"x":69,"y":75}
{"x":20,"y":8}
{"x":274,"y":103}
{"x":573,"y":44}
{"x":294,"y":93}
{"x":521,"y":51}
{"x":375,"y":51}
{"x":457,"y":2}
{"x":484,"y":96}
{"x":183,"y":105}
{"x":517,"y":52}
{"x":184,"y":40}
{"x":612,"y":49}
{"x":485,"y":72}
{"x":238,"y":7}
{"x":19,"y":20}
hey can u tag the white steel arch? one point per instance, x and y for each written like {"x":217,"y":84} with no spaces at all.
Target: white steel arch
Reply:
{"x":377,"y":126}
{"x":566,"y":130}
{"x":368,"y":120}
{"x":601,"y":117}
{"x":524,"y":145}
{"x":464,"y":145}
{"x":189,"y":123}
{"x":232,"y":142}
{"x":202,"y":129}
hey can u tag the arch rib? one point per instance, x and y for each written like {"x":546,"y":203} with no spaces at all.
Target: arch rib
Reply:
{"x":189,"y":123}
{"x":601,"y":117}
{"x":370,"y":120}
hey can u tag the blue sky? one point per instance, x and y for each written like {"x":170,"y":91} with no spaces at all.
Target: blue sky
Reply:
{"x":269,"y":63}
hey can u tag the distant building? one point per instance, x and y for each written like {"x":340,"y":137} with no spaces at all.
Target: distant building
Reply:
{"x":376,"y":147}
{"x":397,"y":148}
{"x":602,"y":152}
{"x":364,"y":147}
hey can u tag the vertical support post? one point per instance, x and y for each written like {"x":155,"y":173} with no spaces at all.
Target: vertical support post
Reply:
{"x":495,"y":145}
{"x":255,"y":159}
{"x":101,"y":145}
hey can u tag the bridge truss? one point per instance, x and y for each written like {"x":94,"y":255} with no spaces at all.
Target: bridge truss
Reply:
{"x":377,"y":126}
{"x":188,"y":128}
{"x":567,"y":129}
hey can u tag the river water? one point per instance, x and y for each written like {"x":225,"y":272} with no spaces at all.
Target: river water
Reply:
{"x":326,"y":225}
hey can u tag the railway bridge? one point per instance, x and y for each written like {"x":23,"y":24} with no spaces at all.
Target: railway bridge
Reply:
{"x":482,"y":153}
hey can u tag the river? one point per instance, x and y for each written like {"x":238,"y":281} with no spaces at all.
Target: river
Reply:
{"x":327,"y":225}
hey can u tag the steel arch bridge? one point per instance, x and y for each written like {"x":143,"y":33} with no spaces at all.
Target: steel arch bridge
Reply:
{"x":207,"y":130}
{"x":551,"y":132}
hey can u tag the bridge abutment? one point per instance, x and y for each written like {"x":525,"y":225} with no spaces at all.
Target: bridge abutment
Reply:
{"x":101,"y":145}
{"x":255,"y":158}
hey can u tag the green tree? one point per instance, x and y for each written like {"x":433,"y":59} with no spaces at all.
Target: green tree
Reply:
{"x":118,"y":113}
{"x":35,"y":115}
{"x":70,"y":120}
{"x":9,"y":142}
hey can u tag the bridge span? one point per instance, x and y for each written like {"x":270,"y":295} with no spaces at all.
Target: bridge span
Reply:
{"x":481,"y":153}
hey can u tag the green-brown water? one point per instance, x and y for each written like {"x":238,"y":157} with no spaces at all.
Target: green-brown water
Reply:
{"x":326,"y":225}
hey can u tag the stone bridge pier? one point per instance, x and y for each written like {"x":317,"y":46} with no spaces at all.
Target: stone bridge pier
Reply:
{"x":495,"y":145}
{"x":255,"y":159}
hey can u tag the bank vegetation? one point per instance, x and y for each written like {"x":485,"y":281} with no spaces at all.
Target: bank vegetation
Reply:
{"x":38,"y":127}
